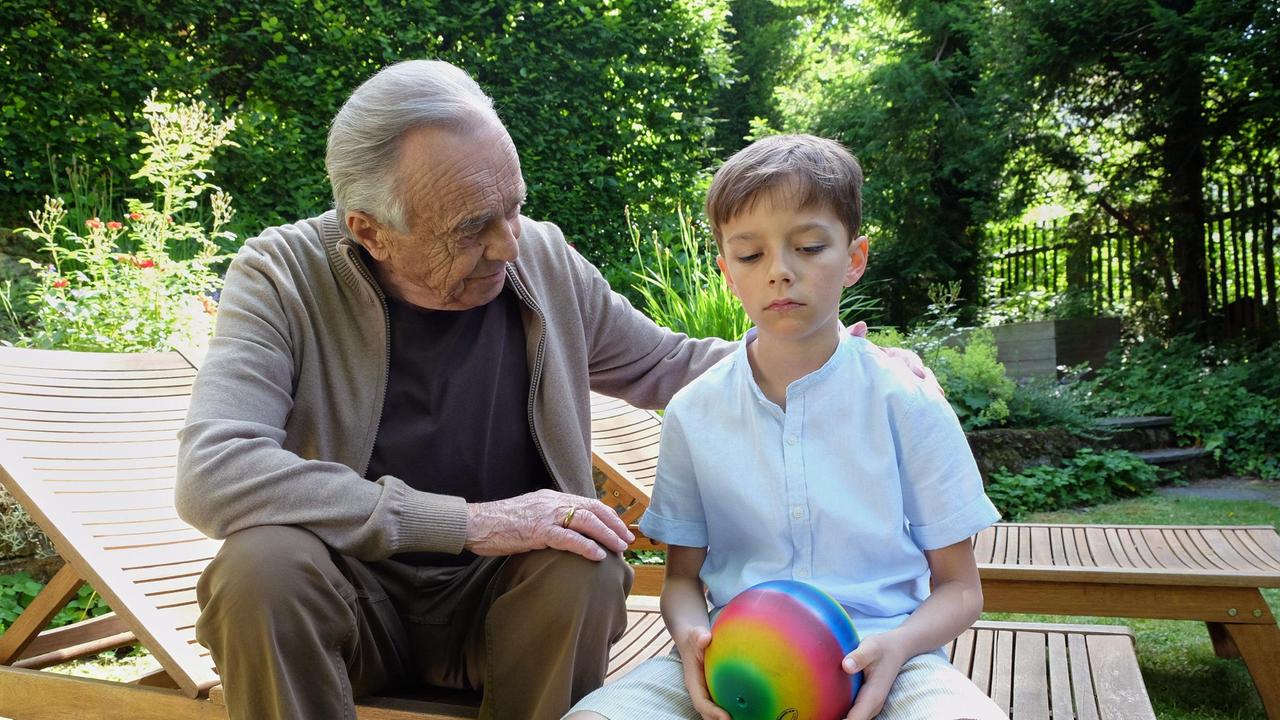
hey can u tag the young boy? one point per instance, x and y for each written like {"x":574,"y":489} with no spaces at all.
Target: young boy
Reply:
{"x":766,"y":473}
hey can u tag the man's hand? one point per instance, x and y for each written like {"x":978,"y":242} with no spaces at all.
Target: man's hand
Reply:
{"x":545,"y":519}
{"x":913,"y":361}
{"x":879,"y":660}
{"x":693,"y":651}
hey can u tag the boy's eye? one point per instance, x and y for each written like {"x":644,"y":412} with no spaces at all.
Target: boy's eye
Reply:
{"x":749,"y":258}
{"x":813,"y":249}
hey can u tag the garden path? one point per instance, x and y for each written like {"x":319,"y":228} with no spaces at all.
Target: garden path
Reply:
{"x":1228,"y":488}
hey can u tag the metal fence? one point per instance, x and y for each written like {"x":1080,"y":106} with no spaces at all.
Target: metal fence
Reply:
{"x":1098,"y":256}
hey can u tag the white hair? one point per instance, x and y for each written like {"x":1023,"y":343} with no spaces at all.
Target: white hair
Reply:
{"x":365,"y":137}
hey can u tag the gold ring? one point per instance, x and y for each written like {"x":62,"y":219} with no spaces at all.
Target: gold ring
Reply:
{"x":568,"y":518}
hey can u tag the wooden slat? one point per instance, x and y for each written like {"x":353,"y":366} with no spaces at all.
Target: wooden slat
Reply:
{"x":81,"y":632}
{"x":1041,"y":550}
{"x":1002,"y":671}
{"x":48,"y":602}
{"x":984,"y":545}
{"x":1030,"y":677}
{"x":81,"y":409}
{"x":1082,"y":689}
{"x":1060,"y":702}
{"x":980,"y":672}
{"x":81,"y":421}
{"x":1118,"y":683}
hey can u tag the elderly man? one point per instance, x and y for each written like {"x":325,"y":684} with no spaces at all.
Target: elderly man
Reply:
{"x":391,"y":429}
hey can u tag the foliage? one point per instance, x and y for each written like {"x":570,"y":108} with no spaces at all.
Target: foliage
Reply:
{"x":1089,"y":478}
{"x":18,"y":590}
{"x":1222,"y":397}
{"x":608,"y":101}
{"x":145,"y":282}
{"x":974,"y":380}
{"x":1035,"y":305}
{"x":1046,"y":402}
{"x":19,"y":534}
{"x":680,"y":286}
{"x":1129,"y":109}
{"x":899,"y":82}
{"x":964,"y":360}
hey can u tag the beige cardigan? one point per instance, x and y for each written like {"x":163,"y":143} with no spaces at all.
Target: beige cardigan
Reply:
{"x":285,"y":410}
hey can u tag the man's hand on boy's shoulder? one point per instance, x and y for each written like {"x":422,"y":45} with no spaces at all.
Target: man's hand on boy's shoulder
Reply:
{"x":912,"y":360}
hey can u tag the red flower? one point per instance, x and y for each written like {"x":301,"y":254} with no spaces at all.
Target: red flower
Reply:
{"x":146,"y":263}
{"x":113,"y":225}
{"x":61,"y":283}
{"x":135,"y":216}
{"x":93,"y":223}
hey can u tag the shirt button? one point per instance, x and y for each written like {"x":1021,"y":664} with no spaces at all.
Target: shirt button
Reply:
{"x":797,"y":512}
{"x":792,"y":439}
{"x":802,"y":573}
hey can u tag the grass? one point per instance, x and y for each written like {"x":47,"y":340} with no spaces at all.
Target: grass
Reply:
{"x":1185,"y":679}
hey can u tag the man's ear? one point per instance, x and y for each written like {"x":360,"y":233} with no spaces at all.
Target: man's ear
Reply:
{"x":724,"y":270}
{"x":369,"y":233}
{"x":857,"y":260}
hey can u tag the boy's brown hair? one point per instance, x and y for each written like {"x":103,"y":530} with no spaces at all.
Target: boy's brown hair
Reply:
{"x":823,"y":173}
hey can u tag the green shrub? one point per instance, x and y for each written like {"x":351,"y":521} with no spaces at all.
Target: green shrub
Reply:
{"x":1222,"y":397}
{"x":18,"y":590}
{"x":677,"y":283}
{"x":680,"y":285}
{"x":1089,"y":478}
{"x":609,"y":101}
{"x":973,"y":380}
{"x":1045,"y":402}
{"x":146,"y":281}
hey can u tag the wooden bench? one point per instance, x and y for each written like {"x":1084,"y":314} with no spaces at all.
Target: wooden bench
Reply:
{"x":1211,"y":574}
{"x":87,"y":446}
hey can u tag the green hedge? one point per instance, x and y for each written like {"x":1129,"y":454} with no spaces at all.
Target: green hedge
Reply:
{"x":609,"y":101}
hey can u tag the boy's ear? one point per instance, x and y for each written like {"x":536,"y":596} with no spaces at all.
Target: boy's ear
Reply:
{"x":724,"y":270}
{"x":857,"y":260}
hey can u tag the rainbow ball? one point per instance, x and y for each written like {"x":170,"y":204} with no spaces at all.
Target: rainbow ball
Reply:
{"x":775,"y":653}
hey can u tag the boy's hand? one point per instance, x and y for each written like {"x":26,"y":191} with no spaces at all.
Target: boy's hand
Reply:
{"x":913,"y":361}
{"x":879,"y":662}
{"x":693,"y":649}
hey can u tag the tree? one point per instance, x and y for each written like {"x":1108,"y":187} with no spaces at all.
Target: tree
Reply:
{"x":610,"y":102}
{"x":900,"y":83}
{"x":1122,"y":105}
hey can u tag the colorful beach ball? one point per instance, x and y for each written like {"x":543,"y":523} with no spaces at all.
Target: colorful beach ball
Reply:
{"x":775,"y":654}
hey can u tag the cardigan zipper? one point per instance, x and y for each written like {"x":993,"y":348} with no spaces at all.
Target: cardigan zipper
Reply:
{"x":386,"y":365}
{"x":535,"y":377}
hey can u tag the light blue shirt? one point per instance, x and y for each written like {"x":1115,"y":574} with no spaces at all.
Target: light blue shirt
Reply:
{"x":845,"y":489}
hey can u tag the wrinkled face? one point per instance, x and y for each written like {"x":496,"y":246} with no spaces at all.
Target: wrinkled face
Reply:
{"x":788,"y":265}
{"x":463,"y":191}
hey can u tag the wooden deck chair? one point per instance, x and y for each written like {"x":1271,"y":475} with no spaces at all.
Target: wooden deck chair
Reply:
{"x":1212,"y":574}
{"x":87,"y":447}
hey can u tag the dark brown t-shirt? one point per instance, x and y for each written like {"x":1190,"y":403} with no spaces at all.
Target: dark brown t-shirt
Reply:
{"x":456,"y":416}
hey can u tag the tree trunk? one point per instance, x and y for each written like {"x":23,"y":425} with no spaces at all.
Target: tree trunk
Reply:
{"x":1184,"y":164}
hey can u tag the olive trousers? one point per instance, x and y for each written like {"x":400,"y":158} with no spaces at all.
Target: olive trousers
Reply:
{"x":298,"y":630}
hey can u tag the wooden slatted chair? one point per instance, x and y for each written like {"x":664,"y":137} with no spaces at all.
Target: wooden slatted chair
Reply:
{"x":1209,"y":574}
{"x":87,"y":447}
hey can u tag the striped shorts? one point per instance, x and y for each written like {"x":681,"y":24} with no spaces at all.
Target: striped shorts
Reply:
{"x":928,"y":688}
